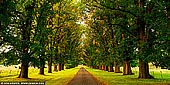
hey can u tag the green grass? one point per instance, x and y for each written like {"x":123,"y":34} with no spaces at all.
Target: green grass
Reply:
{"x":111,"y":78}
{"x":162,"y":77}
{"x":55,"y":78}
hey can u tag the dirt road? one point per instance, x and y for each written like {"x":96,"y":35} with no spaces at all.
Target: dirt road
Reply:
{"x":84,"y":78}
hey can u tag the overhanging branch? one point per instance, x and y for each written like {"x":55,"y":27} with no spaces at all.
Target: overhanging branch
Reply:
{"x":111,"y":8}
{"x":123,"y":27}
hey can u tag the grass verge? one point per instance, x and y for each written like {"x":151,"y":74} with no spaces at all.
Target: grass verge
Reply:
{"x":55,"y":78}
{"x":111,"y":78}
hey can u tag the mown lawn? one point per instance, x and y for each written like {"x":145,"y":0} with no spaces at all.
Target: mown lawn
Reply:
{"x":55,"y":78}
{"x":162,"y":77}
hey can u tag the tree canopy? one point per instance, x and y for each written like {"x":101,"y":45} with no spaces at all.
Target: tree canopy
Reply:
{"x":92,"y":32}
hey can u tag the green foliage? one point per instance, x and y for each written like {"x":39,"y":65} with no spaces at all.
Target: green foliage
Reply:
{"x":71,"y":64}
{"x":134,"y":63}
{"x":37,"y":30}
{"x":112,"y":18}
{"x":10,"y":58}
{"x":111,"y":31}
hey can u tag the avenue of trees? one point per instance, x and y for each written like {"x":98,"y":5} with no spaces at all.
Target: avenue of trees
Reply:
{"x":102,"y":33}
{"x":36,"y":32}
{"x":125,"y":32}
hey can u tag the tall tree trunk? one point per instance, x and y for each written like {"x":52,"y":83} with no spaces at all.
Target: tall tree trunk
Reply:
{"x":126,"y":62}
{"x":144,"y":70}
{"x":24,"y":64}
{"x":103,"y":67}
{"x":62,"y":66}
{"x":117,"y":67}
{"x":41,"y":70}
{"x":143,"y":65}
{"x":106,"y":68}
{"x":92,"y":66}
{"x":112,"y":40}
{"x":100,"y":67}
{"x":127,"y":68}
{"x":110,"y":68}
{"x":25,"y":55}
{"x":97,"y":67}
{"x":26,"y":32}
{"x":24,"y":70}
{"x":42,"y":65}
{"x":59,"y":67}
{"x":50,"y":65}
{"x":55,"y":67}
